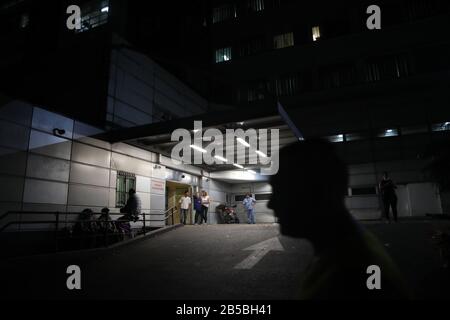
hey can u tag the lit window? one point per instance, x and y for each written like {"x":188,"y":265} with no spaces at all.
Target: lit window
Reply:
{"x":445,"y":126}
{"x":283,"y":40}
{"x":125,"y":182}
{"x":224,"y":13}
{"x":316,"y":33}
{"x":387,"y":133}
{"x":256,"y":91}
{"x":256,"y":5}
{"x":223,"y":55}
{"x":387,"y":68}
{"x":24,"y":20}
{"x":94,"y":14}
{"x":336,"y":138}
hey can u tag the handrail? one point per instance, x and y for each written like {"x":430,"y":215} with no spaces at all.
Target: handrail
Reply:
{"x":172,"y":212}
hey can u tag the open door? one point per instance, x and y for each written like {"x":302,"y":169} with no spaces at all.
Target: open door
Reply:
{"x":174,"y":193}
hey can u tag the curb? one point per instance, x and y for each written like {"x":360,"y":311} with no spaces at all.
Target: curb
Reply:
{"x":143,"y":237}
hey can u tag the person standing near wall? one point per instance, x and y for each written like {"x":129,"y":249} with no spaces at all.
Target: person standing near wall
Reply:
{"x":388,"y":196}
{"x":249,"y":205}
{"x":185,"y":205}
{"x":198,"y":209}
{"x":206,"y":201}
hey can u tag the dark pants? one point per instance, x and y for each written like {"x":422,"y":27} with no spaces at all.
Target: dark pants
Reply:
{"x":204,"y":214}
{"x":390,"y":202}
{"x":184,"y":213}
{"x":198,"y":216}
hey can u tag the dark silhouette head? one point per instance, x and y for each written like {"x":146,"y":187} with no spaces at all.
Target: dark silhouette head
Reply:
{"x":132,"y":192}
{"x":309,"y":189}
{"x":385,"y":175}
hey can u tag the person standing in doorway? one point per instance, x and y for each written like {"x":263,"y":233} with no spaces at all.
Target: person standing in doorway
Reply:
{"x":198,"y":209}
{"x":206,"y":201}
{"x":389,"y":196}
{"x":249,"y":205}
{"x":185,"y":205}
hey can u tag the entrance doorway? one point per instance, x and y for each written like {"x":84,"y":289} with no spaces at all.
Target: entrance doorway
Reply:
{"x":174,"y":192}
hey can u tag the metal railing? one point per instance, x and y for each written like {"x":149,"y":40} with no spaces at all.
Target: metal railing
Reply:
{"x":170,"y":215}
{"x":91,"y":230}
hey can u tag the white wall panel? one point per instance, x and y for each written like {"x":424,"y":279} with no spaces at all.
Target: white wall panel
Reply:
{"x":44,"y":192}
{"x":13,"y":136}
{"x":143,"y":184}
{"x":158,"y":202}
{"x":132,"y":165}
{"x":131,"y":151}
{"x":49,"y":145}
{"x":80,"y":195}
{"x":48,"y":121}
{"x":145,"y":200}
{"x":85,"y":174}
{"x":91,"y":155}
{"x":48,"y":168}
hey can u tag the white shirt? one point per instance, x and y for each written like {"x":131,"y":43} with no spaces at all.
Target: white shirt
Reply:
{"x":205,"y":201}
{"x":185,"y":203}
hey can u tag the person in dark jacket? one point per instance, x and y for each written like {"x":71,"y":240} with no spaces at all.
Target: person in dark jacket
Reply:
{"x":198,"y":209}
{"x":389,"y":196}
{"x":132,"y":209}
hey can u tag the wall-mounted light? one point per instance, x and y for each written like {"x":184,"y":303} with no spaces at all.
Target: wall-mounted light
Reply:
{"x":59,"y":132}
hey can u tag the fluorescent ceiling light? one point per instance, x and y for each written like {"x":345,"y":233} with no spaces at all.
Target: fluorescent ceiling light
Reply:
{"x":262,"y":154}
{"x":243,"y":142}
{"x":105,"y":9}
{"x":221,"y":158}
{"x":238,"y":166}
{"x":252,"y":172}
{"x":198,"y":148}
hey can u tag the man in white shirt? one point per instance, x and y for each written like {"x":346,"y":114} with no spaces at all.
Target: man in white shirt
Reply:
{"x":185,"y":204}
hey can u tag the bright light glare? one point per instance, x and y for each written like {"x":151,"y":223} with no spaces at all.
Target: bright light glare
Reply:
{"x":198,"y":148}
{"x":252,"y":172}
{"x":243,"y":142}
{"x":262,"y":154}
{"x":238,"y":166}
{"x":105,"y":9}
{"x":221,"y":158}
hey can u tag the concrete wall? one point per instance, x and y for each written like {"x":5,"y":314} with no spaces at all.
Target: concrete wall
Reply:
{"x":141,"y":92}
{"x":263,"y":213}
{"x":41,"y":171}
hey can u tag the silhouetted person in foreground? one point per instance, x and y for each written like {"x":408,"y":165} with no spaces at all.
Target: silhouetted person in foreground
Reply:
{"x":308,"y":198}
{"x":389,"y":196}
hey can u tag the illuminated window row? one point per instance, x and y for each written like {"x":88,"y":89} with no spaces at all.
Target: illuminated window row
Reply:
{"x":390,"y":132}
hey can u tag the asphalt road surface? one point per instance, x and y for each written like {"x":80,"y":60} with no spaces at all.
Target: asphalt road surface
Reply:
{"x":225,"y":262}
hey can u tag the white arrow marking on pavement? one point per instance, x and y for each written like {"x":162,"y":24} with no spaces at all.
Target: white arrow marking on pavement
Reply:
{"x":261,"y":249}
